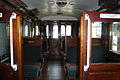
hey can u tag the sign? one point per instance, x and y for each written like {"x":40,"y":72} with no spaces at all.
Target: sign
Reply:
{"x":110,"y":16}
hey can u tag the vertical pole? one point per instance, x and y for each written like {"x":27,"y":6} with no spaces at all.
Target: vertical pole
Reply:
{"x":18,"y":46}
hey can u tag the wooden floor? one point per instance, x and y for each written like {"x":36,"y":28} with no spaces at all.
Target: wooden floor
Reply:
{"x":53,"y":69}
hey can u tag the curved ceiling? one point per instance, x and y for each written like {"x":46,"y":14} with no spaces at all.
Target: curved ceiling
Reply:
{"x":72,"y":8}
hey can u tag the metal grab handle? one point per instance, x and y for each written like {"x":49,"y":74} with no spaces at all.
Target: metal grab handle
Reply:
{"x":14,"y":66}
{"x":86,"y":67}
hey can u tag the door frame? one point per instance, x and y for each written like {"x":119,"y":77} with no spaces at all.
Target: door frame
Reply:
{"x":94,"y":16}
{"x":17,"y":41}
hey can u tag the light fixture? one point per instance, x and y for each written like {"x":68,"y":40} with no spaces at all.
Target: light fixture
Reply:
{"x":72,"y":3}
{"x":61,"y":3}
{"x":51,"y":2}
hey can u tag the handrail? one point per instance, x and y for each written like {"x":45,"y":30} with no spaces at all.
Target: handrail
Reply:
{"x":14,"y":66}
{"x":86,"y":67}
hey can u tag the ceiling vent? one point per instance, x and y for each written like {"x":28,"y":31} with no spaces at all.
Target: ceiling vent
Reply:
{"x":61,"y":3}
{"x":59,"y":13}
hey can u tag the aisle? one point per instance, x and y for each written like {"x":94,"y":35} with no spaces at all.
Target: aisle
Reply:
{"x":53,"y":69}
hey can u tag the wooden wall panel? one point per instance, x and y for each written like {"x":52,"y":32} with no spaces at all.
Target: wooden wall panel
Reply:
{"x":7,"y":73}
{"x":72,"y":41}
{"x":104,"y":72}
{"x":104,"y":76}
{"x":32,"y":41}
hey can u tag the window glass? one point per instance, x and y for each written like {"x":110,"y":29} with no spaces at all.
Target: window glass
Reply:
{"x":37,"y":30}
{"x":62,"y":30}
{"x":4,"y":49}
{"x":26,"y":31}
{"x":96,"y":29}
{"x":68,"y":30}
{"x":115,"y":37}
{"x":47,"y":31}
{"x":33,"y":32}
{"x":55,"y":31}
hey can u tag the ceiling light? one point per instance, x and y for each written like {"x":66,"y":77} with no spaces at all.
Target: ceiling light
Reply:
{"x":72,"y":3}
{"x":51,"y":2}
{"x":61,"y":3}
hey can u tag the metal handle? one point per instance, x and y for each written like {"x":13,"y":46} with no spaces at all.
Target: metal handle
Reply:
{"x":86,"y":67}
{"x":14,"y":66}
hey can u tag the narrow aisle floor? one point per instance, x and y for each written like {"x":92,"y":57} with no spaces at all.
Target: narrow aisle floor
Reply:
{"x":53,"y":69}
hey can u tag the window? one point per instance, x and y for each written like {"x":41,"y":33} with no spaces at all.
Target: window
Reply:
{"x":62,"y":30}
{"x":68,"y":30}
{"x":4,"y":49}
{"x":37,"y":30}
{"x":26,"y":31}
{"x":115,"y":37}
{"x":47,"y":31}
{"x":55,"y":31}
{"x":96,"y":29}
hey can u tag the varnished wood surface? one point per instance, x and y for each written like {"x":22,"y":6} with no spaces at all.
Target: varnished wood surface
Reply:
{"x":17,"y":38}
{"x":106,"y":71}
{"x":7,"y":73}
{"x":32,"y":41}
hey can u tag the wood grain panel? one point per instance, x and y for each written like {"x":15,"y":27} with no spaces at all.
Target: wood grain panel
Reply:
{"x":72,"y":41}
{"x":97,"y":41}
{"x":32,"y":41}
{"x":104,"y":72}
{"x":7,"y":73}
{"x":17,"y":38}
{"x":104,"y":76}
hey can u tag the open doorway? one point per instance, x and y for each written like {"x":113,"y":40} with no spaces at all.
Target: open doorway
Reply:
{"x":62,"y":41}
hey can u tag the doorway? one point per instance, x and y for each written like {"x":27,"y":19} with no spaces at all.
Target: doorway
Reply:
{"x":62,"y":44}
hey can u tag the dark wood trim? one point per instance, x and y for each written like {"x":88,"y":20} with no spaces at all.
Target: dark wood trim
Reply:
{"x":6,"y":15}
{"x":106,"y":67}
{"x":107,"y":71}
{"x":97,"y":41}
{"x":32,"y":41}
{"x":7,"y":73}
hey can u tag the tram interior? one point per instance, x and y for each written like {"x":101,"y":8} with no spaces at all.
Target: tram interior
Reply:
{"x":51,"y":37}
{"x":63,"y":48}
{"x":103,"y":44}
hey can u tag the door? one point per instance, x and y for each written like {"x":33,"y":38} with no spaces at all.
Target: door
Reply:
{"x":99,"y":46}
{"x":54,"y":39}
{"x":10,"y":47}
